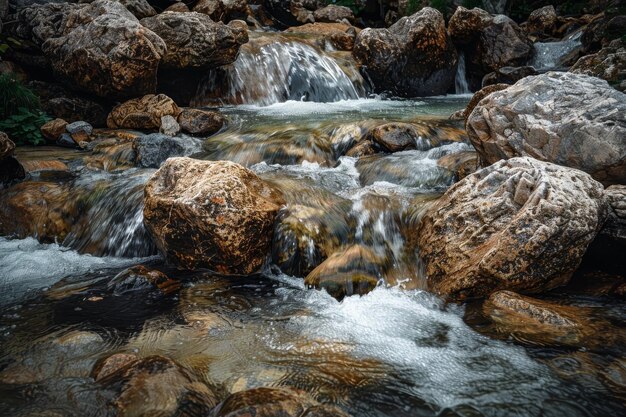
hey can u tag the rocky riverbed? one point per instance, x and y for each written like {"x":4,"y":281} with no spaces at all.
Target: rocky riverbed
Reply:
{"x":286,"y":208}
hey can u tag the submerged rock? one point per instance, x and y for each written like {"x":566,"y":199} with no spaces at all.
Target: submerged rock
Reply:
{"x":141,"y":278}
{"x":142,"y":113}
{"x":354,"y":270}
{"x":519,"y":224}
{"x":200,"y":122}
{"x":216,"y":215}
{"x":414,"y":57}
{"x":568,"y":119}
{"x":103,"y":49}
{"x":195,"y":41}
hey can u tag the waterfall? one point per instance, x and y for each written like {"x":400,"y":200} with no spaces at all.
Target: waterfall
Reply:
{"x":277,"y":70}
{"x":551,"y":55}
{"x":460,"y":83}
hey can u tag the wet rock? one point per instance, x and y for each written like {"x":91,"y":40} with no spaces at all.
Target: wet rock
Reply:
{"x":159,"y":386}
{"x":265,"y":402}
{"x":53,"y":129}
{"x":222,"y":10}
{"x":609,"y":64}
{"x":194,"y":41}
{"x":345,"y":136}
{"x":40,"y":22}
{"x":354,"y":270}
{"x":395,"y":137}
{"x":40,"y":166}
{"x":142,"y":113}
{"x":363,"y":148}
{"x":334,"y":14}
{"x":6,"y":146}
{"x":112,"y":364}
{"x":79,"y":131}
{"x":141,"y":279}
{"x":508,"y":75}
{"x":568,"y":119}
{"x":216,"y":215}
{"x":519,"y":224}
{"x":200,"y":122}
{"x":414,"y":57}
{"x":501,"y":44}
{"x":466,"y":25}
{"x":339,"y":35}
{"x":154,"y":149}
{"x":461,"y":164}
{"x":104,"y":50}
{"x":169,"y":126}
{"x":139,"y":8}
{"x":542,"y":21}
{"x":479,"y":95}
{"x":545,"y":323}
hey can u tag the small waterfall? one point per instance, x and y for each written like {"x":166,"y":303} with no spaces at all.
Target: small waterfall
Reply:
{"x":551,"y":55}
{"x":461,"y":85}
{"x":268,"y":72}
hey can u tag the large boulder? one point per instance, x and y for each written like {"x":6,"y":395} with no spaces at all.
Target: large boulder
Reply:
{"x":142,"y":113}
{"x":502,"y":44}
{"x":216,"y":215}
{"x":195,"y":41}
{"x":414,"y":57}
{"x":466,"y":25}
{"x":154,"y":149}
{"x":519,"y":224}
{"x":609,"y":64}
{"x":568,"y":119}
{"x":139,"y":8}
{"x":222,"y":10}
{"x":103,"y":50}
{"x":333,"y":13}
{"x":542,"y":21}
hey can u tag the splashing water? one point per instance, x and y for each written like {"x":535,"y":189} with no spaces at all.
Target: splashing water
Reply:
{"x":550,"y":55}
{"x":461,"y":86}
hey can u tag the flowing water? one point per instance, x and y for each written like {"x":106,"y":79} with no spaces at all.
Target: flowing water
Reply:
{"x":397,"y":351}
{"x":461,"y":85}
{"x":553,"y":55}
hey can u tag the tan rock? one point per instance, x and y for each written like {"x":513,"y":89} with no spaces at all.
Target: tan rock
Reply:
{"x":53,"y":129}
{"x":6,"y":146}
{"x":142,"y":113}
{"x":200,"y":122}
{"x":216,"y":215}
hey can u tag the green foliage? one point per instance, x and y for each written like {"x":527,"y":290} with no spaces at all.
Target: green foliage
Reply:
{"x":14,"y":95}
{"x":413,"y":5}
{"x":24,"y":126}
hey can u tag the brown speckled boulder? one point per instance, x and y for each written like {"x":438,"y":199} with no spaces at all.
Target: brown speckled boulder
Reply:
{"x":216,"y":215}
{"x":142,"y":113}
{"x":519,"y":224}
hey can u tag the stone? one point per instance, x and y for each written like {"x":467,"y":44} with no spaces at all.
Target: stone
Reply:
{"x":222,"y":10}
{"x":216,"y":215}
{"x":200,"y":122}
{"x":142,"y":279}
{"x":139,"y":8}
{"x":544,"y":323}
{"x":53,"y":129}
{"x":179,"y":6}
{"x":413,"y":57}
{"x":520,"y":224}
{"x":569,"y":119}
{"x":479,"y":95}
{"x":265,"y":402}
{"x":195,"y":41}
{"x":103,"y":50}
{"x":142,"y":113}
{"x":466,"y":25}
{"x":334,"y":14}
{"x":508,"y":75}
{"x":154,"y":149}
{"x":461,"y":163}
{"x":542,"y":21}
{"x":339,"y":35}
{"x":112,"y":364}
{"x":396,"y":136}
{"x":40,"y":22}
{"x":354,"y":270}
{"x":79,"y":131}
{"x":169,"y":126}
{"x":501,"y":44}
{"x":6,"y":146}
{"x":609,"y":64}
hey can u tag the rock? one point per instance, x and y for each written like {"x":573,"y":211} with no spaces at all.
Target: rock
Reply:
{"x":154,"y":149}
{"x":53,"y":129}
{"x":609,"y":64}
{"x":508,"y":75}
{"x":461,"y":164}
{"x":287,"y":13}
{"x":546,"y":323}
{"x":142,"y":279}
{"x":363,"y":148}
{"x":501,"y":44}
{"x":179,"y":7}
{"x":61,"y":103}
{"x":265,"y":402}
{"x":103,"y":50}
{"x":38,"y":23}
{"x":414,"y":57}
{"x":169,"y":126}
{"x":6,"y":146}
{"x":79,"y":131}
{"x":339,"y":35}
{"x":139,"y":8}
{"x":354,"y":270}
{"x":66,"y":140}
{"x":519,"y":224}
{"x":112,"y":364}
{"x":395,"y":137}
{"x":142,"y":113}
{"x":222,"y":10}
{"x":542,"y":21}
{"x":159,"y":386}
{"x":466,"y":25}
{"x":568,"y":119}
{"x":200,"y":122}
{"x":481,"y":94}
{"x":334,"y":14}
{"x":216,"y":215}
{"x":194,"y":41}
